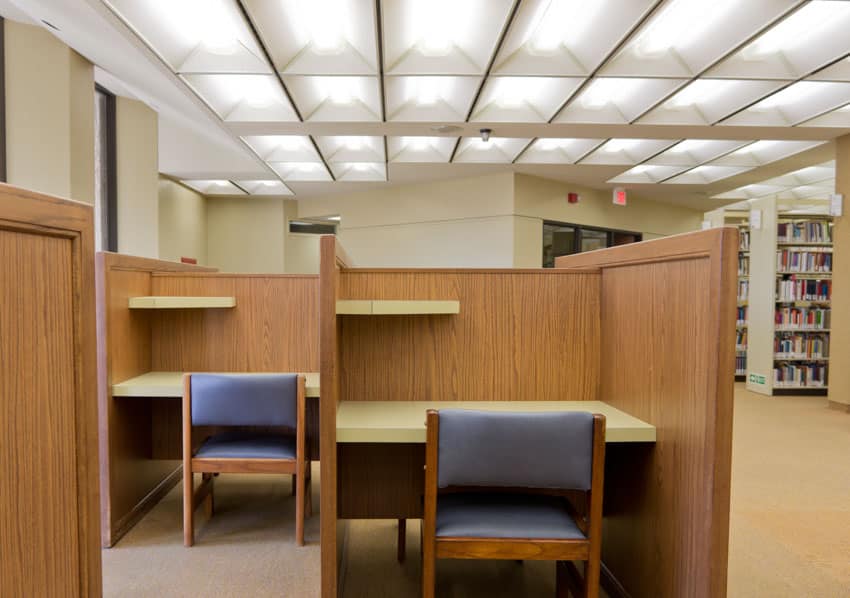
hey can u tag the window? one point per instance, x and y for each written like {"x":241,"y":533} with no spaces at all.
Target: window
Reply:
{"x":560,"y":238}
{"x":105,"y":172}
{"x":312,"y":228}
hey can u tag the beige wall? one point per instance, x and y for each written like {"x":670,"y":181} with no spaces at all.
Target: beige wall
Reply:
{"x":301,"y":252}
{"x":182,"y":222}
{"x":49,"y":114}
{"x":137,"y":178}
{"x":461,"y":223}
{"x":543,"y":199}
{"x":839,"y":350}
{"x":246,"y":234}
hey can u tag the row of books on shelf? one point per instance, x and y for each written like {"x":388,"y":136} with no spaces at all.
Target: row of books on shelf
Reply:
{"x":804,"y":232}
{"x":743,"y":265}
{"x":743,"y":290}
{"x":741,"y":364}
{"x":796,"y":260}
{"x":741,"y":339}
{"x":791,"y":374}
{"x":744,"y":240}
{"x":742,"y":316}
{"x":800,"y":346}
{"x":804,"y":318}
{"x":805,"y":289}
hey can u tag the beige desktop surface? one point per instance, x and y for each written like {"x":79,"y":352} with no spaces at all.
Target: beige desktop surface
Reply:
{"x":180,"y":302}
{"x":404,"y":421}
{"x":393,"y":307}
{"x":170,"y":384}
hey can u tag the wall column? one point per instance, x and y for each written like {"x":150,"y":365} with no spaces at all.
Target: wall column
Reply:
{"x":839,"y":351}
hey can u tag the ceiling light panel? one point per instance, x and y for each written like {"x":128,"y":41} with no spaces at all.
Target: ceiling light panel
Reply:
{"x":840,"y":71}
{"x":810,"y":175}
{"x":318,"y":37}
{"x":707,"y":101}
{"x":683,"y":37}
{"x":265,"y":187}
{"x":283,"y":148}
{"x":243,"y":98}
{"x":420,"y":149}
{"x":837,"y":118}
{"x":807,"y":39}
{"x":500,"y":150}
{"x":693,"y":152}
{"x":523,"y":99}
{"x":334,"y":99}
{"x":565,"y":37}
{"x":359,"y":171}
{"x":351,"y":148}
{"x":627,"y":151}
{"x":648,"y":173}
{"x":558,"y":150}
{"x":301,"y":171}
{"x":429,"y":99}
{"x":617,"y":100}
{"x":794,"y":104}
{"x":765,"y":152}
{"x":750,"y":191}
{"x":213,"y":187}
{"x":703,"y":175}
{"x":441,"y":37}
{"x":195,"y":36}
{"x":805,"y":192}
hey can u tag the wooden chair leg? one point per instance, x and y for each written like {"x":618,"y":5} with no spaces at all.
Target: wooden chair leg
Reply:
{"x":299,"y":509}
{"x":188,"y":508}
{"x":209,"y":501}
{"x":402,"y":540}
{"x":591,"y":578}
{"x":308,"y":489}
{"x":428,"y":568}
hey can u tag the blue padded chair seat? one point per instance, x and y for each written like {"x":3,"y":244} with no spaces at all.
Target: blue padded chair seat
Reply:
{"x":244,"y":445}
{"x":505,"y":516}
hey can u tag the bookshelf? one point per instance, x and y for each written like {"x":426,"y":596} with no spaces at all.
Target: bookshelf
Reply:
{"x":741,"y":332}
{"x":788,"y":301}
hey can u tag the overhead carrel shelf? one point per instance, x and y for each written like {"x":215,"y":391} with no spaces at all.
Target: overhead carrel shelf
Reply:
{"x":384,"y":307}
{"x":181,"y":302}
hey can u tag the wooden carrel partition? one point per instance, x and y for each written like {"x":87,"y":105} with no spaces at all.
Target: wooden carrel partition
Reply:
{"x":272,"y":328}
{"x":668,"y":325}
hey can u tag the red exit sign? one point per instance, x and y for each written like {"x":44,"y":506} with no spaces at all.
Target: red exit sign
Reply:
{"x":619,"y":196}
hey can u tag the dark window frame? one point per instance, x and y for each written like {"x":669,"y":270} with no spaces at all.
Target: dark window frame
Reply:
{"x":580,"y":228}
{"x":111,"y":169}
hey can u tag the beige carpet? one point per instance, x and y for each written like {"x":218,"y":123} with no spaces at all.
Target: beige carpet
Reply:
{"x":790,"y":529}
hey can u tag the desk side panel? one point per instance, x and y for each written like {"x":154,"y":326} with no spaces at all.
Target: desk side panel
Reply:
{"x":513,"y":339}
{"x":667,"y":358}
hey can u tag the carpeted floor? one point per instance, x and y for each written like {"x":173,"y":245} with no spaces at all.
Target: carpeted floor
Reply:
{"x":790,"y":531}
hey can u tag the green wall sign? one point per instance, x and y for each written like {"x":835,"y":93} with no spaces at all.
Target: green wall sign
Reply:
{"x":757,"y":379}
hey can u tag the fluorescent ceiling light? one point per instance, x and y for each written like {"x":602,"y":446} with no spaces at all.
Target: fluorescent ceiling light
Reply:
{"x":708,"y":173}
{"x":799,"y":29}
{"x":525,"y":99}
{"x":240,"y":97}
{"x":680,"y":23}
{"x":619,"y":145}
{"x":701,"y":91}
{"x":359,"y":171}
{"x":627,"y":151}
{"x":647,"y":173}
{"x":213,"y":187}
{"x":607,"y":91}
{"x":325,"y":22}
{"x":265,"y":187}
{"x":497,"y":149}
{"x":793,"y":94}
{"x":437,"y":25}
{"x":558,"y":21}
{"x":301,"y":171}
{"x":206,"y":22}
{"x":420,"y":149}
{"x":558,"y":150}
{"x":282,"y":148}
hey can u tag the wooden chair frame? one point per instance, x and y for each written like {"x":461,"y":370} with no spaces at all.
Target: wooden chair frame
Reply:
{"x":299,"y":468}
{"x":568,"y":578}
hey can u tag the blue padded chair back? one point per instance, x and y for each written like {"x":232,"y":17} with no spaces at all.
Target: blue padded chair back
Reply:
{"x":244,"y":399}
{"x":523,"y":450}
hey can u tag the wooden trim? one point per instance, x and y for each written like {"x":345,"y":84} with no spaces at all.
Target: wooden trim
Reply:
{"x":142,"y":508}
{"x":3,"y":173}
{"x":502,"y":548}
{"x":429,"y":517}
{"x":552,"y":271}
{"x":597,"y":482}
{"x":332,"y":258}
{"x":214,"y":274}
{"x":188,"y":474}
{"x":209,"y":465}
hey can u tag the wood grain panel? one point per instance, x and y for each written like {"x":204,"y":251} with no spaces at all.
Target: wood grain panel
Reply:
{"x":668,"y":320}
{"x":273,"y":328}
{"x":376,"y":483}
{"x":48,"y":414}
{"x":513,"y":340}
{"x":130,"y":477}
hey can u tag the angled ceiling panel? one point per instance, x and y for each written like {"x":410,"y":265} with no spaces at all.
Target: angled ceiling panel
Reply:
{"x":429,"y":99}
{"x":558,"y":150}
{"x":627,"y":151}
{"x":794,"y":104}
{"x":497,"y":150}
{"x":523,"y":99}
{"x":617,"y":100}
{"x":420,"y":149}
{"x":336,"y":99}
{"x":243,"y":98}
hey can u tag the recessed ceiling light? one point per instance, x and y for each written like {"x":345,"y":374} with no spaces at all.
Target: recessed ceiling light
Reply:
{"x":679,"y":23}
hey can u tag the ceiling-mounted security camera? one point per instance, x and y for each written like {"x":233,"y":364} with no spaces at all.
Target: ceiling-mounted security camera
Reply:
{"x":485,"y":134}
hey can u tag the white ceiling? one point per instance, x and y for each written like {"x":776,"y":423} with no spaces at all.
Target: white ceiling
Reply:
{"x":681,"y":100}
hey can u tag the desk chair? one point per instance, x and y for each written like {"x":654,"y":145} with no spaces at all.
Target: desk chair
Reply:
{"x":244,"y":400}
{"x":497,"y":487}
